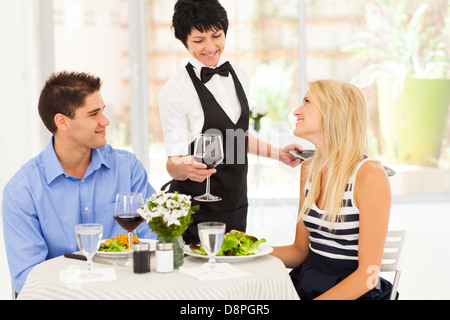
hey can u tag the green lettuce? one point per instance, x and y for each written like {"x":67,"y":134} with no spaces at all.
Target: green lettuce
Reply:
{"x":113,"y":247}
{"x":234,"y":244}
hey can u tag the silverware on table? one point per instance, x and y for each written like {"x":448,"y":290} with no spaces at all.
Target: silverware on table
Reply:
{"x":82,"y":257}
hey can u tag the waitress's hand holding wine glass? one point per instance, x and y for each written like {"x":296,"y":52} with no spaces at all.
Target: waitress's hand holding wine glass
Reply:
{"x":208,"y":150}
{"x":127,"y":217}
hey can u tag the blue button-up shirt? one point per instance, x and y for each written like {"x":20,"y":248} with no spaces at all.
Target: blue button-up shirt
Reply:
{"x":42,"y":205}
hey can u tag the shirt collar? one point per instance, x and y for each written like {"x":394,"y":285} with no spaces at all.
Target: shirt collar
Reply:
{"x":54,"y":169}
{"x":198,"y":65}
{"x":97,"y":160}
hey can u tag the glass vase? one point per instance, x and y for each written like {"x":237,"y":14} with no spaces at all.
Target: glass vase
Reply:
{"x":257,"y":124}
{"x":178,"y":250}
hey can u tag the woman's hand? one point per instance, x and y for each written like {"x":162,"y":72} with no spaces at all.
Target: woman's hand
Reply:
{"x":183,"y":168}
{"x":261,"y":148}
{"x":288,"y":158}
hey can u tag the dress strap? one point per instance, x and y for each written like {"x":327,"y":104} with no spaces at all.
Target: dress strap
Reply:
{"x":355,"y":172}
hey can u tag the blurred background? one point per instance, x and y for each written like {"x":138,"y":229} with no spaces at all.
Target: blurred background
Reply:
{"x":397,"y":51}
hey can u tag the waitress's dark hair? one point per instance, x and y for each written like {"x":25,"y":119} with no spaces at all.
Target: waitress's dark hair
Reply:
{"x":203,"y":15}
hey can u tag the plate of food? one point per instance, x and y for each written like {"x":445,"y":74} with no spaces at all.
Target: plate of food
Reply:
{"x":236,"y":246}
{"x":118,"y":247}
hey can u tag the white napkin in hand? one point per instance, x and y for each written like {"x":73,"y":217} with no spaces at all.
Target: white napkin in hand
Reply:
{"x":223,"y":271}
{"x":74,"y":276}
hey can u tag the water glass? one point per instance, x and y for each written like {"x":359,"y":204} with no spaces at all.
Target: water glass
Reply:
{"x":211,"y":236}
{"x":89,"y":236}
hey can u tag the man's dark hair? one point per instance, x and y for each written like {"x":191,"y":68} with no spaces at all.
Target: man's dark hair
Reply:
{"x":203,"y":15}
{"x":63,"y":93}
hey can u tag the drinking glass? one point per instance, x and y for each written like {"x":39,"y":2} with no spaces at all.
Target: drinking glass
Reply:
{"x":127,"y":217}
{"x":89,"y":236}
{"x":208,"y":150}
{"x":211,"y":236}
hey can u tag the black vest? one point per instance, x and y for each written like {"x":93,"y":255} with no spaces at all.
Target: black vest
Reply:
{"x":230,"y":181}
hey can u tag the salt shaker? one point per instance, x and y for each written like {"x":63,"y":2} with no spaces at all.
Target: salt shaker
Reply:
{"x":164,"y":257}
{"x":141,"y":258}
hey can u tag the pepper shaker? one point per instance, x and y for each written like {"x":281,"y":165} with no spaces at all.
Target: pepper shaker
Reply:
{"x":141,"y":258}
{"x":164,"y":257}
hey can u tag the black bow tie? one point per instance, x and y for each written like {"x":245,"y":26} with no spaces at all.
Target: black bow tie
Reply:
{"x":207,"y":73}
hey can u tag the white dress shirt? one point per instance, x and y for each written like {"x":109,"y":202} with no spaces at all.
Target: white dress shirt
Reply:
{"x":180,"y":109}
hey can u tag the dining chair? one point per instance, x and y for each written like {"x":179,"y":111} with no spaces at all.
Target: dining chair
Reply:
{"x":164,"y":187}
{"x":393,"y":256}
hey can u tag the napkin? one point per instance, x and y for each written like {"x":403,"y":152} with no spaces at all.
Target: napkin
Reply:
{"x":74,"y":276}
{"x":222,"y":271}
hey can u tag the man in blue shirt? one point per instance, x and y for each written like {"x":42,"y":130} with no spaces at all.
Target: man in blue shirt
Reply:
{"x":74,"y":180}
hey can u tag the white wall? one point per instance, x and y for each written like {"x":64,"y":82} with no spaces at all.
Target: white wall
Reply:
{"x":20,"y":125}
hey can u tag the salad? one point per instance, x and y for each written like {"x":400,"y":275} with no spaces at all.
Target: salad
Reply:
{"x":234,"y":244}
{"x":117,"y":244}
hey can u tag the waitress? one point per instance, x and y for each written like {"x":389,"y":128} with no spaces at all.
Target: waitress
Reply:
{"x":210,"y":95}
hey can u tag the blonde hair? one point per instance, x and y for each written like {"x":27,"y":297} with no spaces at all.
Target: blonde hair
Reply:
{"x":344,"y":126}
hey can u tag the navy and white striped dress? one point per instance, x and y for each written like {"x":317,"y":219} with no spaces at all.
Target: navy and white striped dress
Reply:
{"x":333,"y":253}
{"x":340,"y":242}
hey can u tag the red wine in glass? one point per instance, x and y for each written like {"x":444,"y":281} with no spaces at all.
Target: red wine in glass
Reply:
{"x":129,"y":221}
{"x":127,"y":217}
{"x":209,"y":150}
{"x":210,"y":161}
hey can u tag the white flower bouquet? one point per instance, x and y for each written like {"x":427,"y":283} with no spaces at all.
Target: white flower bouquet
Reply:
{"x":258,"y":112}
{"x":168,"y":214}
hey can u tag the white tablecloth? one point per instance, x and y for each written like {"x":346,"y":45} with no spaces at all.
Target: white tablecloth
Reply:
{"x":268,"y":280}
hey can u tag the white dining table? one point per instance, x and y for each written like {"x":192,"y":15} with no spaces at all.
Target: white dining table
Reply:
{"x":266,"y":279}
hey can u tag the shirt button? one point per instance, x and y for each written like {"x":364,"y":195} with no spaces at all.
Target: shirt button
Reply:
{"x":82,"y":181}
{"x":86,"y":208}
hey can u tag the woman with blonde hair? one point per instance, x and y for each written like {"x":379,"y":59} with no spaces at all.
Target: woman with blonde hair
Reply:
{"x":345,"y":200}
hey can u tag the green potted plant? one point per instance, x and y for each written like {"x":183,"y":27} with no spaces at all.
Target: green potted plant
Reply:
{"x":169,"y":215}
{"x":410,"y":65}
{"x":256,"y":114}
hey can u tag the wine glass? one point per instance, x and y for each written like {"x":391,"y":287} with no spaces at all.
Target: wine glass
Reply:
{"x":211,"y":236}
{"x":89,"y":236}
{"x":127,"y":217}
{"x":208,"y":150}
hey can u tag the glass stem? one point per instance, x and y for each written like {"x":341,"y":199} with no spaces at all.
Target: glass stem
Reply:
{"x":89,"y":264}
{"x":207,"y":186}
{"x":212,"y":263}
{"x":130,"y":246}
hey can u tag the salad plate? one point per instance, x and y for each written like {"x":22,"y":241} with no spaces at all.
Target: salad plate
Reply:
{"x":124,"y":254}
{"x":263,"y":250}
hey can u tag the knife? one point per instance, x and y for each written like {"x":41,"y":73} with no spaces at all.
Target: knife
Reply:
{"x":82,"y":257}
